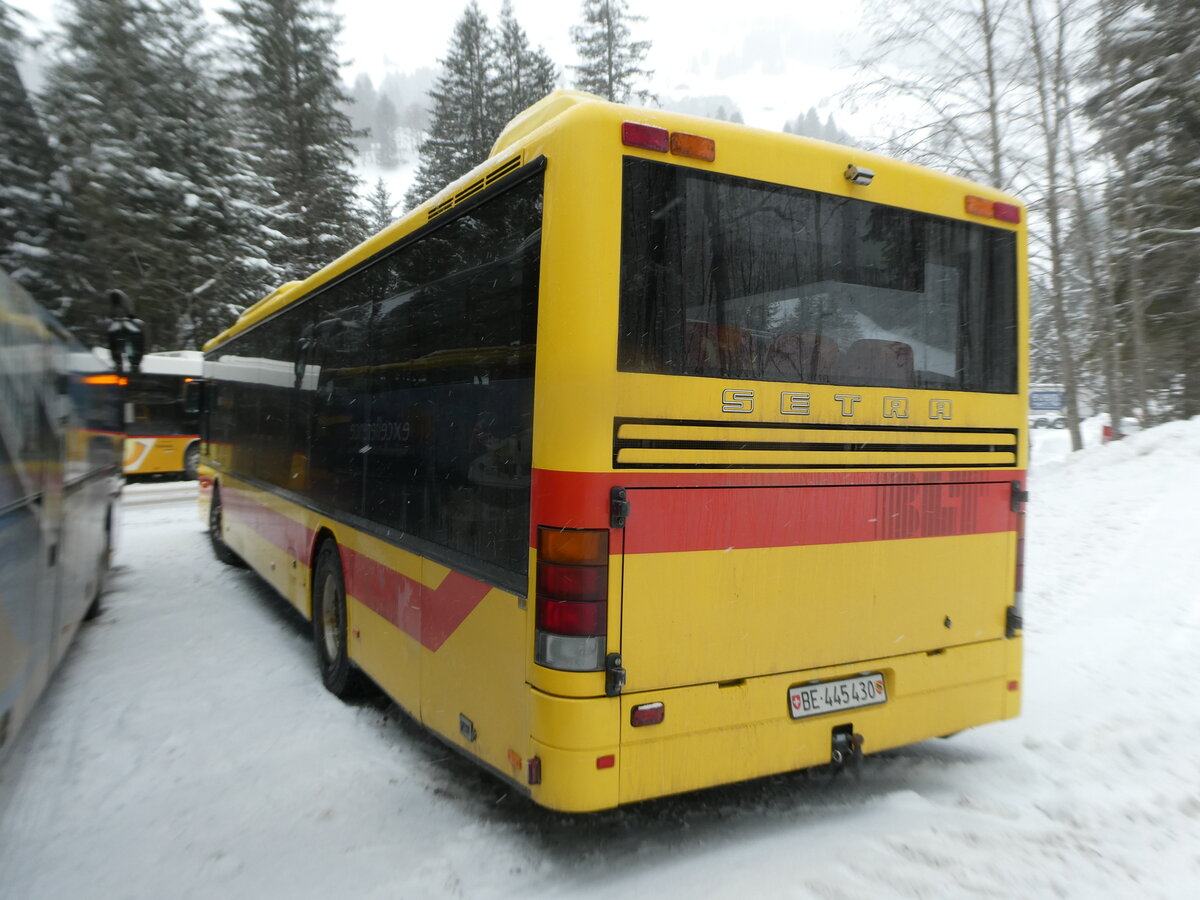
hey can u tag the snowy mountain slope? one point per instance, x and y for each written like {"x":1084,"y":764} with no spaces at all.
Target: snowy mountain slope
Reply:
{"x":187,"y":748}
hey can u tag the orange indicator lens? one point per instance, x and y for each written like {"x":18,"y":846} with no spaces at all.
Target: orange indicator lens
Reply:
{"x":694,"y":146}
{"x":573,"y":547}
{"x":977,"y":206}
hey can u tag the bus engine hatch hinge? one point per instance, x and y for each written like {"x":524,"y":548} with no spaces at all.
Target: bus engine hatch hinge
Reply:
{"x":1019,"y":496}
{"x":614,"y":675}
{"x":618,"y":507}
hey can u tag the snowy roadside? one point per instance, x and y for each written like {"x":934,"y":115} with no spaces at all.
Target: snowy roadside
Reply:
{"x":187,"y":749}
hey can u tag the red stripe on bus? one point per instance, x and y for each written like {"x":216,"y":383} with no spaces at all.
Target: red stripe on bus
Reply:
{"x":429,"y":615}
{"x":582,"y":499}
{"x":672,"y":521}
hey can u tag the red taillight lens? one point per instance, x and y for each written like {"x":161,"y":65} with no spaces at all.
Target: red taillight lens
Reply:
{"x":565,"y":617}
{"x":647,"y":137}
{"x":585,"y":583}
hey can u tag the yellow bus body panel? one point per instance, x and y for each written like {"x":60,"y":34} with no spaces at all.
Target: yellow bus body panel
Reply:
{"x":713,"y":734}
{"x":156,"y":455}
{"x":708,"y":616}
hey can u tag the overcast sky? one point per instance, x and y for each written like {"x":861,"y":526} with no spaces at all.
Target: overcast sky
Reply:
{"x":775,"y":58}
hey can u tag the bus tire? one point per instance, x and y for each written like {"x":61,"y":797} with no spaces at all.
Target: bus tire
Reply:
{"x":338,"y":673}
{"x":191,"y":461}
{"x":220,"y":548}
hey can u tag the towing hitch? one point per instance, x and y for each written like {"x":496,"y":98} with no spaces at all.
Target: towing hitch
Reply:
{"x":846,"y":750}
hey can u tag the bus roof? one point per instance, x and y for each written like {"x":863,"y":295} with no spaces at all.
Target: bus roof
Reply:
{"x":527,"y":128}
{"x":172,"y":362}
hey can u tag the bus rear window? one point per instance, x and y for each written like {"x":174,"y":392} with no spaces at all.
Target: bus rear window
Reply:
{"x":731,"y":278}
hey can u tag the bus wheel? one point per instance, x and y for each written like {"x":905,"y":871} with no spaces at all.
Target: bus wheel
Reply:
{"x":340,"y":676}
{"x":220,"y":548}
{"x":191,"y":462}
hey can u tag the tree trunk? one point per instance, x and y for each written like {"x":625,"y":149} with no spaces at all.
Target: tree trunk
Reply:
{"x":1050,"y":93}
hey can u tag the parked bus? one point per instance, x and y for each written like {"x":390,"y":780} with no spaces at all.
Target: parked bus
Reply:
{"x":60,"y":477}
{"x":655,"y":453}
{"x":162,"y":427}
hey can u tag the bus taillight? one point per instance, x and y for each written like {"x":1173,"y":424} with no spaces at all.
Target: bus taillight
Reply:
{"x":572,"y":599}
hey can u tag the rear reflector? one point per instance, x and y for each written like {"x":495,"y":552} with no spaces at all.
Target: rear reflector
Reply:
{"x":694,"y":146}
{"x":648,"y":137}
{"x":606,"y":762}
{"x":534,"y":768}
{"x":1014,"y":685}
{"x":647,"y":714}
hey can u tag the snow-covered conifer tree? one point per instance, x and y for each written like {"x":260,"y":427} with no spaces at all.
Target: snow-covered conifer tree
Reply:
{"x":39,"y":233}
{"x":293,"y":121}
{"x":523,"y":75}
{"x":163,"y":198}
{"x":465,"y":120}
{"x":611,"y":62}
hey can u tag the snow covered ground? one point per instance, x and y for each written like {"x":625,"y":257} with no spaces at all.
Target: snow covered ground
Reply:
{"x":187,"y":749}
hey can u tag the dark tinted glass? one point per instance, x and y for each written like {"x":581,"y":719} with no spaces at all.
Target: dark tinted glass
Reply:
{"x":732,"y":278}
{"x":452,"y":394}
{"x":156,"y":406}
{"x":404,"y":393}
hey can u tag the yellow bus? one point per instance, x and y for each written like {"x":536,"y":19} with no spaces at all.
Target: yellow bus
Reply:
{"x":162,"y":427}
{"x":656,"y":453}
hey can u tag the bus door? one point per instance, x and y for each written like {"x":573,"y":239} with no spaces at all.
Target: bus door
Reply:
{"x":727,"y":583}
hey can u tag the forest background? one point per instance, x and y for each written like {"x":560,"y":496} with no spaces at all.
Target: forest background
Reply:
{"x":197,"y":166}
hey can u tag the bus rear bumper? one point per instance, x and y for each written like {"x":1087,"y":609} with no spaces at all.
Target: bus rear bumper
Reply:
{"x":715,"y":734}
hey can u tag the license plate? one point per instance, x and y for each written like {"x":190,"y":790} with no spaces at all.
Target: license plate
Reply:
{"x":834,"y":696}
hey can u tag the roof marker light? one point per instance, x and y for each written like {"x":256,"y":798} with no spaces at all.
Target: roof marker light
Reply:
{"x":1007,"y":212}
{"x":648,"y":137}
{"x":978,"y":206}
{"x":693,"y":145}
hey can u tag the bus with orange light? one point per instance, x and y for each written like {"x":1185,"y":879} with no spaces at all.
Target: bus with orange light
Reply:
{"x":162,"y":428}
{"x":60,"y":483}
{"x":653,"y":454}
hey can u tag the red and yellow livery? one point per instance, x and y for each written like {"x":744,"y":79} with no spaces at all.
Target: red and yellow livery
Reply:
{"x":646,"y":459}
